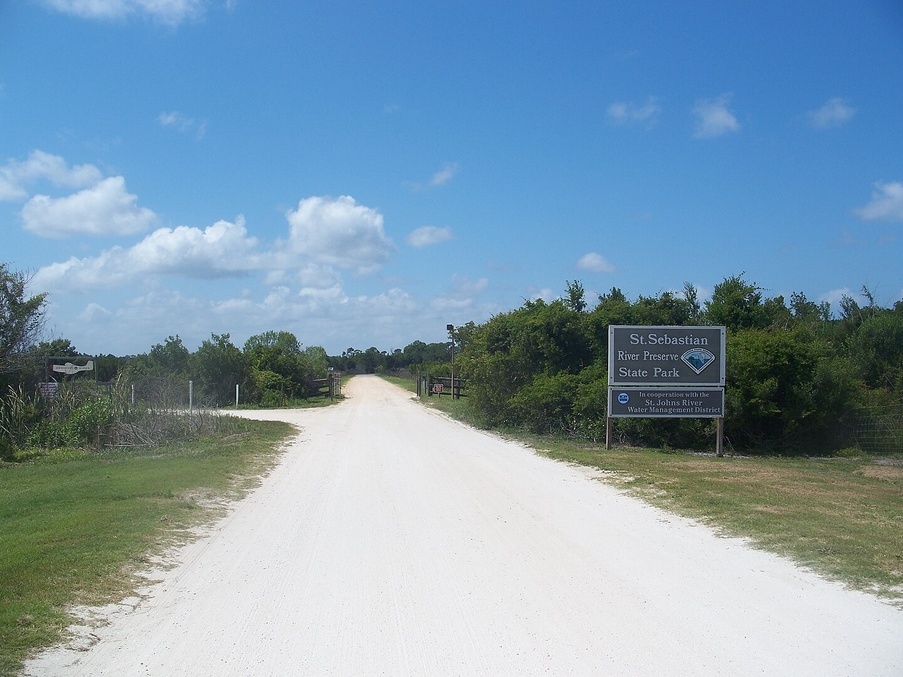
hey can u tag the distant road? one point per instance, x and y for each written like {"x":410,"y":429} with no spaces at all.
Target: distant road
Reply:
{"x":393,"y":541}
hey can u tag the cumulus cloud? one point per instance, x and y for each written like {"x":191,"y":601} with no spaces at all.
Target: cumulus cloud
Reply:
{"x":625,"y":112}
{"x":595,"y":263}
{"x":339,"y":232}
{"x":221,"y":250}
{"x":170,"y":12}
{"x":427,"y":235}
{"x":833,"y":114}
{"x":886,"y":203}
{"x":105,"y":208}
{"x":16,"y":176}
{"x":713,"y":118}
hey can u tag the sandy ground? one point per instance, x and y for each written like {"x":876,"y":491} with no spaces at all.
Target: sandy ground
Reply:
{"x":392,"y":541}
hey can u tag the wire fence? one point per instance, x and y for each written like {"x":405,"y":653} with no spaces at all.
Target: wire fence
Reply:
{"x":878,"y":429}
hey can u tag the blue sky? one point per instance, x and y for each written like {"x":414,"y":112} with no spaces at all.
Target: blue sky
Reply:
{"x":364,"y":173}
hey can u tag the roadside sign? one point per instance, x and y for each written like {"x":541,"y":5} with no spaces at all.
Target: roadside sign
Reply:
{"x":666,"y":356}
{"x":654,"y":402}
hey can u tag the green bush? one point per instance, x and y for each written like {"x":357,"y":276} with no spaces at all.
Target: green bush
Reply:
{"x":90,"y":423}
{"x":779,"y":395}
{"x":546,"y":405}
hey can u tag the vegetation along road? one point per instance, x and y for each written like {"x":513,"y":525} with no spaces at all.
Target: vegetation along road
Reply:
{"x":392,"y":540}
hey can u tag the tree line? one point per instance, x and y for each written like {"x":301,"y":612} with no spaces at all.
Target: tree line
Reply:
{"x":798,"y":379}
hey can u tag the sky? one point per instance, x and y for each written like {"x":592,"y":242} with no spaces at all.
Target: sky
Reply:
{"x":364,"y":173}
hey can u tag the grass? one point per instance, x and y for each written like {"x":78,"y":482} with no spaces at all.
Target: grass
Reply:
{"x":839,"y":516}
{"x":78,"y":526}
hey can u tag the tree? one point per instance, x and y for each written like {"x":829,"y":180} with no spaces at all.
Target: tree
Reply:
{"x":738,"y":304}
{"x":278,"y":366}
{"x":21,"y":318}
{"x":170,"y":357}
{"x":575,"y":296}
{"x":218,"y":367}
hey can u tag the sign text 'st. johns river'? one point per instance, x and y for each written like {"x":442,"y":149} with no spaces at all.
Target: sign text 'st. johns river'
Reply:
{"x":692,"y":356}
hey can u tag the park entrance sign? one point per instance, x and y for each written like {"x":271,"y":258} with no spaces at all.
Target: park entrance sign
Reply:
{"x":666,"y":356}
{"x":666,"y":372}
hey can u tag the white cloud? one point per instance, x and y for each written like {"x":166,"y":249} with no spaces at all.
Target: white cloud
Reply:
{"x":223,"y":249}
{"x":835,"y":295}
{"x":886,"y":203}
{"x":339,"y":232}
{"x":183,"y":123}
{"x":16,"y":175}
{"x":833,"y":114}
{"x":103,"y":209}
{"x":445,"y":174}
{"x":595,"y":263}
{"x":170,"y":12}
{"x":625,"y":112}
{"x":440,"y":178}
{"x":427,"y":235}
{"x":545,"y":294}
{"x":713,"y":118}
{"x":94,"y":312}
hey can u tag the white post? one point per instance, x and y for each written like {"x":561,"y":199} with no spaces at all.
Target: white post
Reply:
{"x":133,"y":394}
{"x":236,"y":394}
{"x":190,"y":396}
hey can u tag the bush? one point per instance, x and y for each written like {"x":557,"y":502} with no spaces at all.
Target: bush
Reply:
{"x":90,"y":423}
{"x":782,"y":395}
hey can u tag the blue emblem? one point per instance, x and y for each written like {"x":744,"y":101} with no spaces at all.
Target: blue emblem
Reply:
{"x":698,"y":359}
{"x":623,"y":398}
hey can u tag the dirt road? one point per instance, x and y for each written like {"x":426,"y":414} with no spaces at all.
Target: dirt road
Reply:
{"x":392,"y":541}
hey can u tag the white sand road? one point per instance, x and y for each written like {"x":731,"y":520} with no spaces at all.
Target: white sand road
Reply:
{"x":390,"y":540}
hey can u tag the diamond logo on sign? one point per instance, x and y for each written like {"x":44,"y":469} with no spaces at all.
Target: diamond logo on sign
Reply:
{"x":698,"y":359}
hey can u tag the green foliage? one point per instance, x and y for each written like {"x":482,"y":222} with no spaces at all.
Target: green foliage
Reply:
{"x":876,"y":351}
{"x":279,"y":371}
{"x":791,"y":386}
{"x":736,"y":304}
{"x":546,"y":404}
{"x":21,"y":318}
{"x":90,"y":423}
{"x":769,"y":388}
{"x":19,"y":413}
{"x":217,"y":367}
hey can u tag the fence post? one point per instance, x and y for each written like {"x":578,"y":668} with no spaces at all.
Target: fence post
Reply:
{"x":190,"y":397}
{"x":236,"y":394}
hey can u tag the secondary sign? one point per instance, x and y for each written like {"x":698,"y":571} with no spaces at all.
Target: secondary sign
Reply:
{"x":652,"y":402}
{"x":667,"y":356}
